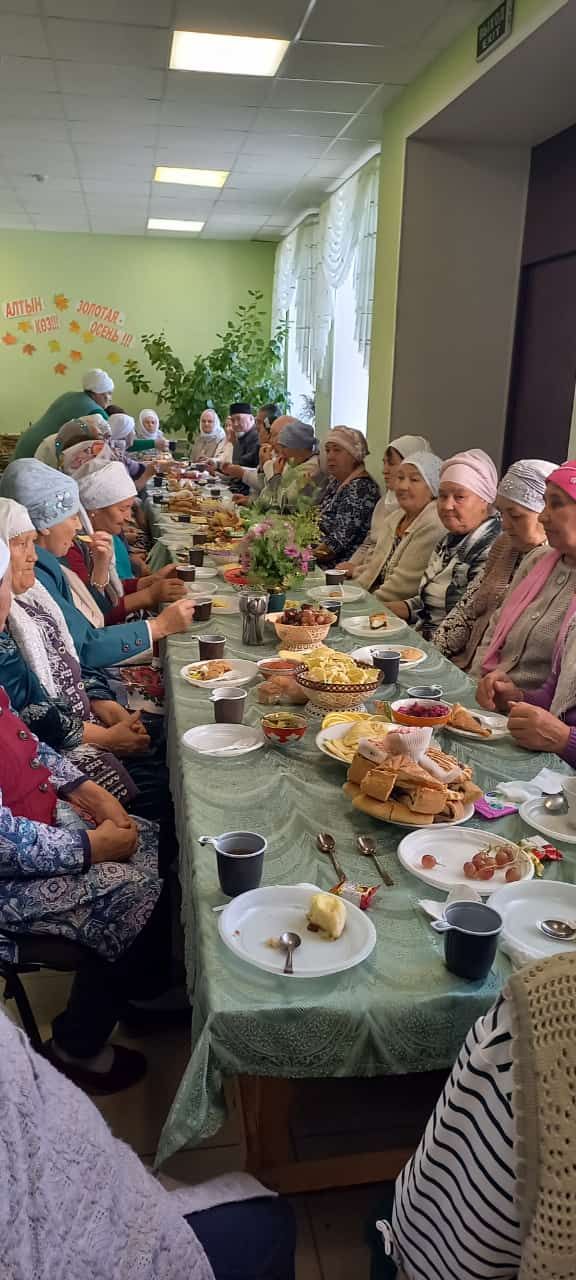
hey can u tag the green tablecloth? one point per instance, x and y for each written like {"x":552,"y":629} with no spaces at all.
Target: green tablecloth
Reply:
{"x":400,"y":1010}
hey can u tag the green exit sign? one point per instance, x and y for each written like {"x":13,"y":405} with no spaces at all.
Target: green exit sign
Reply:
{"x":494,"y":29}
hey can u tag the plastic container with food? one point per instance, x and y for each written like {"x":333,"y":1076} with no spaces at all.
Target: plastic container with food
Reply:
{"x":412,"y":711}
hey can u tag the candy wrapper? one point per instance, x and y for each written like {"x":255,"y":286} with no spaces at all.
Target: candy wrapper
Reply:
{"x":360,"y":895}
{"x":540,"y":851}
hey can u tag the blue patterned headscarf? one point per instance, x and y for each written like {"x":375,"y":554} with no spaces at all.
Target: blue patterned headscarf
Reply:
{"x":48,"y":495}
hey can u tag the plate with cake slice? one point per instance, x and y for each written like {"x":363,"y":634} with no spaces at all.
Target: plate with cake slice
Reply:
{"x":335,"y":935}
{"x":487,"y":726}
{"x":379,"y":625}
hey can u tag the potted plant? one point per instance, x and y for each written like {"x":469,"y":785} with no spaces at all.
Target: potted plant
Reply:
{"x":276,"y":552}
{"x":244,"y":364}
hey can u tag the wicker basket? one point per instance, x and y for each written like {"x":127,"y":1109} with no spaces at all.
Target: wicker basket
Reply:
{"x":338,"y":697}
{"x":300,"y":637}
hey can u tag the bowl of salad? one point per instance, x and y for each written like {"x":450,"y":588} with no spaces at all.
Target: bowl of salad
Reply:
{"x":420,"y":713}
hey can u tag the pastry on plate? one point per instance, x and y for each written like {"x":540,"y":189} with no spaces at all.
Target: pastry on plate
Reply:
{"x":461,"y":718}
{"x":209,"y":670}
{"x":378,"y":621}
{"x":327,"y":915}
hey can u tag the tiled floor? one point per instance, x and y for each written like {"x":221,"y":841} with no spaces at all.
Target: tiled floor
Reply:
{"x":331,"y":1224}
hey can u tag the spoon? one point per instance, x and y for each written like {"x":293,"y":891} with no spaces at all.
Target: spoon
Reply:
{"x":555,"y":803}
{"x":291,"y":941}
{"x":367,"y":846}
{"x":560,"y":930}
{"x":327,"y":844}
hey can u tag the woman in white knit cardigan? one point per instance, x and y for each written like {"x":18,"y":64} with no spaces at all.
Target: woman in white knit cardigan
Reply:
{"x":393,"y":567}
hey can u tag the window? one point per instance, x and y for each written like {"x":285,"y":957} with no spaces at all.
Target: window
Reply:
{"x":349,"y":376}
{"x":299,"y":385}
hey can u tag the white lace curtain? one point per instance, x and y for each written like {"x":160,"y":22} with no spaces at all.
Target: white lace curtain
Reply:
{"x":316,"y":258}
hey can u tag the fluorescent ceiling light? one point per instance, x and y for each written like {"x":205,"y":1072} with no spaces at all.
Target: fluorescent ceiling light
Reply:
{"x":229,"y":55}
{"x":192,"y":177}
{"x":173,"y":224}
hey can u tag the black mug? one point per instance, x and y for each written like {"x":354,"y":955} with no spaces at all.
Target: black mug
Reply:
{"x":471,"y":931}
{"x":158,"y":481}
{"x":196,"y":556}
{"x":388,"y":662}
{"x":240,"y":858}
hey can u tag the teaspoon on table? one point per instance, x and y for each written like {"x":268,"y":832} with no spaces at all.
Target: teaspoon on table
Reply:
{"x":555,"y":803}
{"x":367,"y":846}
{"x":559,"y":930}
{"x":327,"y":844}
{"x":291,"y":942}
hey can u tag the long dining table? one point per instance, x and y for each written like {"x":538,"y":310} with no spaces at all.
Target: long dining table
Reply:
{"x":398,"y":1012}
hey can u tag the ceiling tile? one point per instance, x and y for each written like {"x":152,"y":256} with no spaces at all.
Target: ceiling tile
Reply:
{"x":229,"y":233}
{"x":141,"y":139}
{"x":290,"y":165}
{"x":25,"y":185}
{"x":261,"y":181}
{"x":457,"y":16}
{"x":366,"y":126}
{"x":360,"y":64}
{"x":198,"y":155}
{"x":203,"y":114}
{"x":22,"y":36}
{"x":130,"y":46}
{"x":19,"y":6}
{"x":72,"y":223}
{"x":325,"y":124}
{"x":153,"y":13}
{"x":282,"y":18}
{"x":15,"y":221}
{"x":32,"y":130}
{"x":36,"y":74}
{"x":240,"y":91}
{"x":110,"y":186}
{"x":119,"y":110}
{"x":246,"y":212}
{"x":365,"y":22}
{"x":310,"y":95}
{"x":29,"y":106}
{"x":9,"y":201}
{"x":94,"y":79}
{"x":273,"y":144}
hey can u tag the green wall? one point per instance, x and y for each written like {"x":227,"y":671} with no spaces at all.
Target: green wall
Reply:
{"x":448,"y":76}
{"x":188,"y":288}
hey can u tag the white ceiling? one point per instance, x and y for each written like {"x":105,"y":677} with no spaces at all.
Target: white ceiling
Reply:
{"x":87,"y":100}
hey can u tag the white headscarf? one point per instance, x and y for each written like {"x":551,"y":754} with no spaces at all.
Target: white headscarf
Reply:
{"x":14,"y":519}
{"x":217,"y":432}
{"x":4,"y":559}
{"x":102,"y":484}
{"x":122,"y":427}
{"x":97,"y":380}
{"x":78,"y":456}
{"x":525,"y":483}
{"x":405,"y":445}
{"x":144,"y":432}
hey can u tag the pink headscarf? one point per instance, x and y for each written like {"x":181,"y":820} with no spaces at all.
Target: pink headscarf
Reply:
{"x":565,"y":478}
{"x":351,"y":440}
{"x":474,"y":470}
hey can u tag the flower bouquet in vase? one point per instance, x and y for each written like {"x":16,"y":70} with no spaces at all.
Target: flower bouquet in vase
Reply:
{"x":276,"y":552}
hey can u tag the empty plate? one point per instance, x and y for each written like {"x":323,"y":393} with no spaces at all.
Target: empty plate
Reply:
{"x":522,"y":905}
{"x":223,"y":740}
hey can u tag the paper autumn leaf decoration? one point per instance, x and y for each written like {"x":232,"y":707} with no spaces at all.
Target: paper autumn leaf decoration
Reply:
{"x":24,"y":326}
{"x":60,"y":368}
{"x":75,"y":355}
{"x":9,"y":340}
{"x":113,"y":357}
{"x":54,"y":345}
{"x":61,"y":301}
{"x":87,"y":336}
{"x":28,"y":349}
{"x":74,"y":327}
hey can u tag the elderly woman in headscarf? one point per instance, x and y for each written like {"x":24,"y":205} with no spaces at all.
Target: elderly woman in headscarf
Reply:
{"x":103,"y":562}
{"x":409,"y":533}
{"x":211,"y":434}
{"x":468,"y":485}
{"x":297,"y":473}
{"x":529,"y":663}
{"x":349,"y":497}
{"x":86,"y":431}
{"x":394,"y":455}
{"x":520,"y":500}
{"x":148,"y":431}
{"x":53,"y":502}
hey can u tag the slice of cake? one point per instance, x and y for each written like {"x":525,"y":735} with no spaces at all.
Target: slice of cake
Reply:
{"x":327,"y":915}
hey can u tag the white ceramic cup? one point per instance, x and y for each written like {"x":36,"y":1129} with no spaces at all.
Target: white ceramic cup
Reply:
{"x":569,"y":791}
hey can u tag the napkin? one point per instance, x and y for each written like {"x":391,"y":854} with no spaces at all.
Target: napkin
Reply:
{"x":547,"y":782}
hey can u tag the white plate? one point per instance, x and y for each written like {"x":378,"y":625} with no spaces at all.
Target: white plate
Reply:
{"x":223,"y":740}
{"x":202,"y":571}
{"x":249,"y":920}
{"x":496,"y":723}
{"x":344,"y":594}
{"x":365,"y":654}
{"x":522,"y":905}
{"x":338,"y":731}
{"x":453,"y":849}
{"x":241,"y":673}
{"x":359,"y":625}
{"x":228,"y":604}
{"x":553,"y":825}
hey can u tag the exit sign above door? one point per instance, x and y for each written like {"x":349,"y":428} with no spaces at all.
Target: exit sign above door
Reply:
{"x":494,"y":29}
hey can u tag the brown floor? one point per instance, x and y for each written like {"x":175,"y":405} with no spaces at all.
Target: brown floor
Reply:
{"x":331,"y":1224}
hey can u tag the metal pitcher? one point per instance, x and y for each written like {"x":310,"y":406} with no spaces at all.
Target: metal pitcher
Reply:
{"x":253,"y":607}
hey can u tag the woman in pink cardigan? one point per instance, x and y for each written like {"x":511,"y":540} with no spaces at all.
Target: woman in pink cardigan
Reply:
{"x":544,"y":719}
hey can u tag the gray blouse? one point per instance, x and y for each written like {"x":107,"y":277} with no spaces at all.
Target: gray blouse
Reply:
{"x":528,"y":649}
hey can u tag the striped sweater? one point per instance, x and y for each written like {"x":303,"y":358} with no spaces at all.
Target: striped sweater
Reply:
{"x":455,"y":1210}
